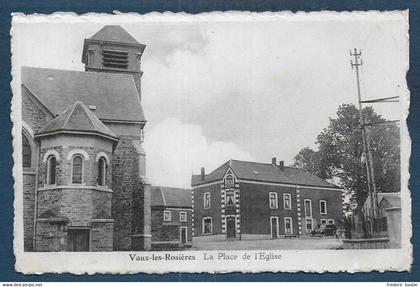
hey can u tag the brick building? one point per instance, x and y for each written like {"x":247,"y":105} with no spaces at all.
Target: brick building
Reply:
{"x":171,"y":217}
{"x":84,"y":179}
{"x":249,"y":200}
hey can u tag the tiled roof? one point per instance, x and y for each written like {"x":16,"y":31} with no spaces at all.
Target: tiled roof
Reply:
{"x":114,"y":95}
{"x":77,"y":118}
{"x":171,"y":197}
{"x":264,"y":172}
{"x":114,"y":33}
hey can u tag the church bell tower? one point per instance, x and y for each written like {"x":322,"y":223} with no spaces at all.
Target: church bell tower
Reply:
{"x":114,"y":50}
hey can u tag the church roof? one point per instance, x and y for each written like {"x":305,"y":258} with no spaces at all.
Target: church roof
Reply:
{"x":171,"y":197}
{"x":263,"y":172}
{"x":115,"y":95}
{"x":114,"y":33}
{"x":77,"y":118}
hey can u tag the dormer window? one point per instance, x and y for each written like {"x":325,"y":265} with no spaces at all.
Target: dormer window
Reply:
{"x":77,"y":169}
{"x":114,"y":59}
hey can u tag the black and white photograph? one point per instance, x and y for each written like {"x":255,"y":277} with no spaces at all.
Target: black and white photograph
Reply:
{"x":217,"y":142}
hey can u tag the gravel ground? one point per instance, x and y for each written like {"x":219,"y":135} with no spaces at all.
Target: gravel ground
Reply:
{"x":273,"y":244}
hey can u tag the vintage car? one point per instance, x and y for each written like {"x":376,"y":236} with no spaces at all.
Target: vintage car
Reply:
{"x":324,"y":230}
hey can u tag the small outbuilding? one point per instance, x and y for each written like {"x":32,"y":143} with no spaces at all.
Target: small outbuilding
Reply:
{"x":171,"y":217}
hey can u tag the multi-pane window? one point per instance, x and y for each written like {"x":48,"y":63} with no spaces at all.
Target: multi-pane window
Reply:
{"x":207,"y":200}
{"x":308,"y":225}
{"x":183,"y":216}
{"x":207,"y":225}
{"x":322,"y":207}
{"x":77,"y":169}
{"x":230,"y":197}
{"x":26,"y":152}
{"x":167,"y":215}
{"x":308,"y":208}
{"x":102,"y":171}
{"x":230,"y":181}
{"x":288,"y":228}
{"x":287,"y":200}
{"x":51,"y":169}
{"x":273,"y":200}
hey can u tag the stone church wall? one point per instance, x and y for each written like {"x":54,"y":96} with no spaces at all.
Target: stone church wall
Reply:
{"x":131,"y":198}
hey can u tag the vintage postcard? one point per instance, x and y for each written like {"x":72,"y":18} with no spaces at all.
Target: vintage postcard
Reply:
{"x":217,"y":142}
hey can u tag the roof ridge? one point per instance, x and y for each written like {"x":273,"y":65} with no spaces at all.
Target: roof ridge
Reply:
{"x":69,"y":115}
{"x":77,"y":71}
{"x":266,"y":163}
{"x":89,"y":113}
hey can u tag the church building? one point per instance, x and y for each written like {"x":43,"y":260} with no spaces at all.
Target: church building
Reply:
{"x":243,"y":200}
{"x":84,"y":168}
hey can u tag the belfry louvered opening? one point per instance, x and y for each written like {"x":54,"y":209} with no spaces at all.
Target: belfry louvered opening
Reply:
{"x":115,"y":59}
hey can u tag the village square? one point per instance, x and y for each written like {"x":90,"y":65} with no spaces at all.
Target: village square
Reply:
{"x":86,"y":185}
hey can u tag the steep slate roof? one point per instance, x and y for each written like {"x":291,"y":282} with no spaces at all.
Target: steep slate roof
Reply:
{"x":171,"y":197}
{"x":264,"y":172}
{"x":77,"y":118}
{"x":114,"y":95}
{"x":114,"y":33}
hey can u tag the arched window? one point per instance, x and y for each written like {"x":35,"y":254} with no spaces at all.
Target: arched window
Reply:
{"x":102,"y":171}
{"x":77,"y":169}
{"x":51,"y":169}
{"x":26,"y":152}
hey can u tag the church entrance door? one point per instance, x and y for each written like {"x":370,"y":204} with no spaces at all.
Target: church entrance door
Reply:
{"x":78,"y":240}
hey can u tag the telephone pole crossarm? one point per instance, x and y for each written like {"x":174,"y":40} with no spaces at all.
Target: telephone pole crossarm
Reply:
{"x":381,"y":100}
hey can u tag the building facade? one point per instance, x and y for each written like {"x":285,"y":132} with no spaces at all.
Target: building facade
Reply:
{"x":171,"y":217}
{"x":248,"y":200}
{"x":84,"y":168}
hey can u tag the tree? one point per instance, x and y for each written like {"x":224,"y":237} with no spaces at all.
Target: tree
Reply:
{"x":340,"y":153}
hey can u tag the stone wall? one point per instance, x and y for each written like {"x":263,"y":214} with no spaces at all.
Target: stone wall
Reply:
{"x":169,"y":230}
{"x":215,"y":210}
{"x":101,"y":235}
{"x":63,"y":167}
{"x":28,"y":210}
{"x":32,"y":112}
{"x":256,"y":211}
{"x":334,"y":205}
{"x":51,"y":235}
{"x":80,"y":206}
{"x":131,"y":200}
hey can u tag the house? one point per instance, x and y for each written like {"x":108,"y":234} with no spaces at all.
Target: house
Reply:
{"x":243,"y":200}
{"x":84,"y":185}
{"x":171,"y":217}
{"x":383,"y":200}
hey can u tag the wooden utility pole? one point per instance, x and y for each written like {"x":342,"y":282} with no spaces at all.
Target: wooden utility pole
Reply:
{"x":365,"y":137}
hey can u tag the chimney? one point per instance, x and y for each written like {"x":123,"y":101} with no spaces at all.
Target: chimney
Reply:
{"x":203,"y":173}
{"x":281,"y":165}
{"x":274,"y":161}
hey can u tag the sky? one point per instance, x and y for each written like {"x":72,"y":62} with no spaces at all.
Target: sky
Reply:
{"x":250,"y":88}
